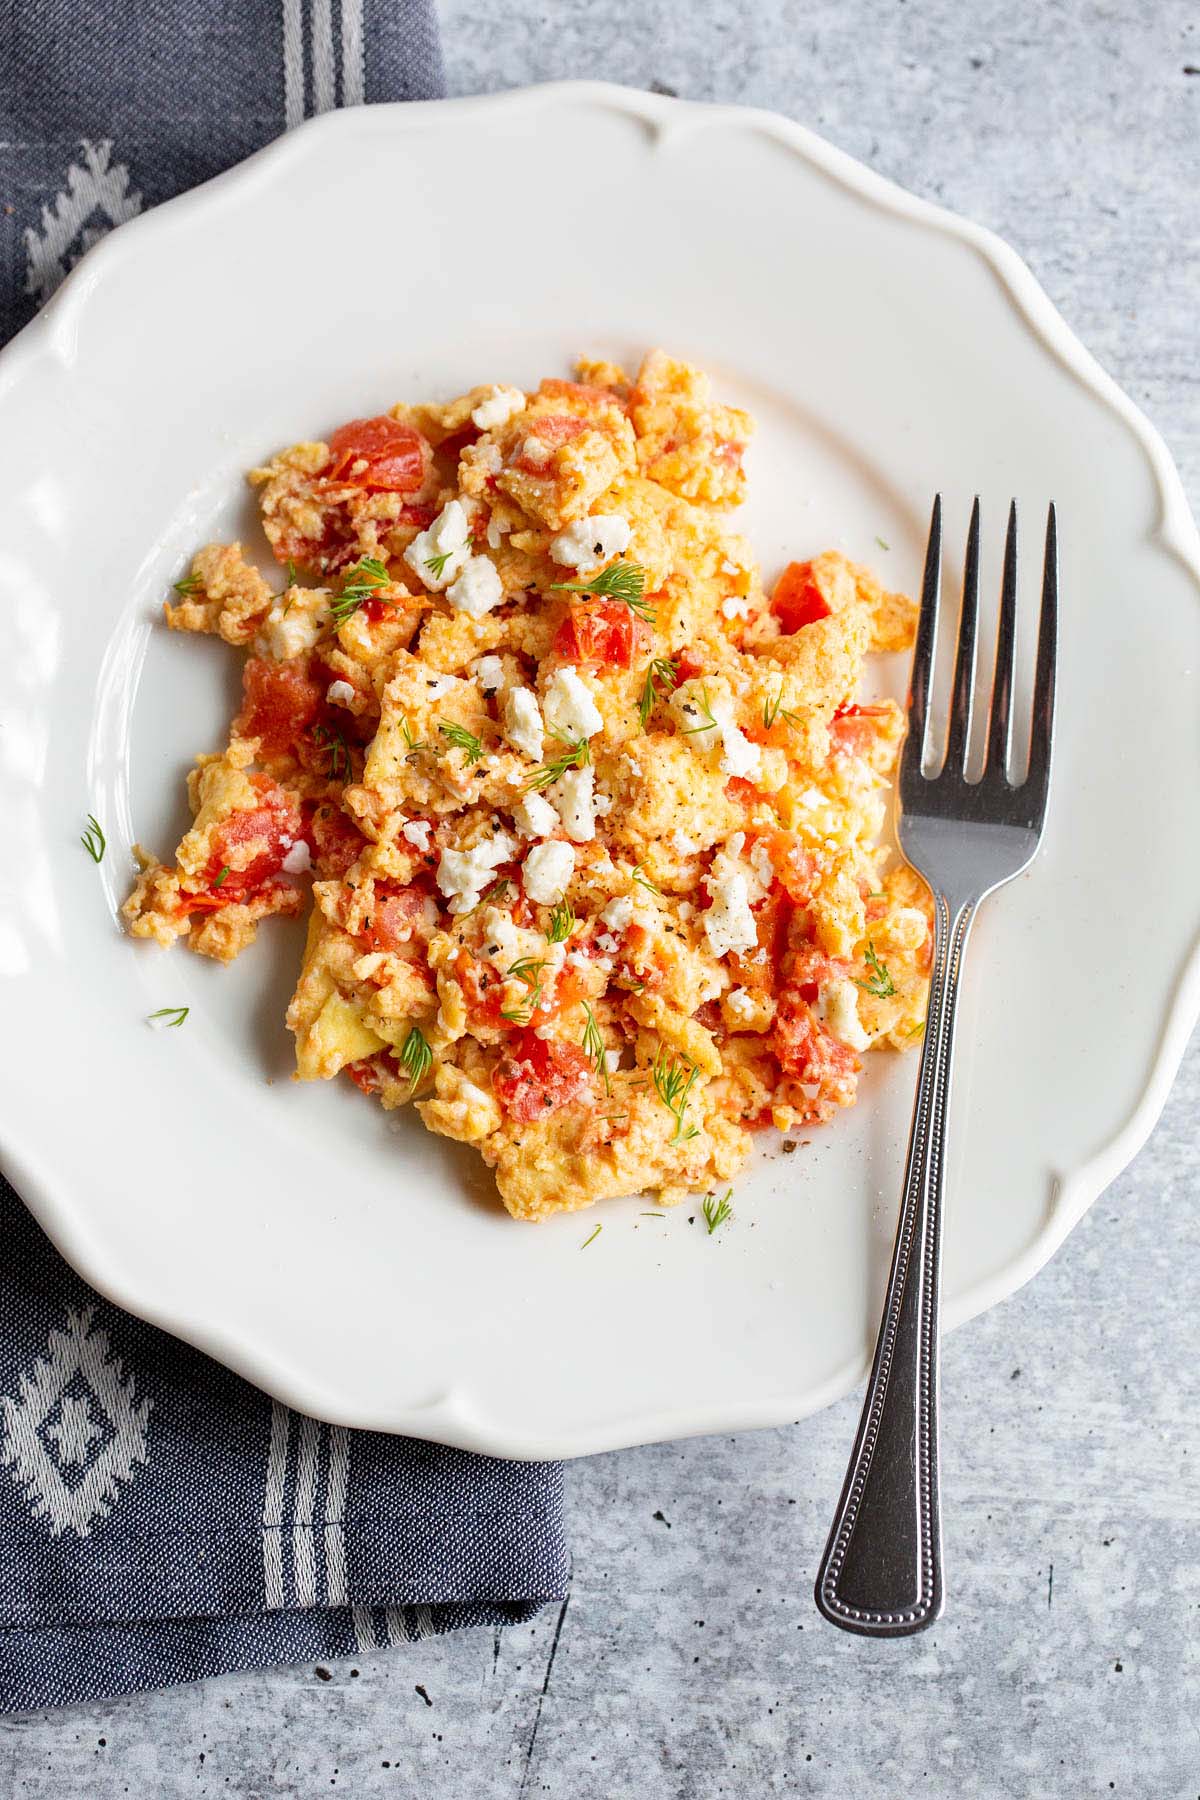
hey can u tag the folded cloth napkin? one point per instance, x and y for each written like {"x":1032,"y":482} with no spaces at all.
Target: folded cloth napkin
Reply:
{"x":160,"y":1519}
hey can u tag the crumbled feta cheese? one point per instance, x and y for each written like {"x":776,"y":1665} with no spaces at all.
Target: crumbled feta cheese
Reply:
{"x":572,"y":795}
{"x":741,"y":1004}
{"x":736,"y":606}
{"x":589,"y":542}
{"x":291,"y":630}
{"x":501,"y":405}
{"x":488,"y":458}
{"x":536,"y":451}
{"x":607,"y":943}
{"x":535,"y":816}
{"x":603,"y":804}
{"x":489,"y":673}
{"x":448,"y":537}
{"x":416,"y":831}
{"x":729,"y":567}
{"x":570,"y":708}
{"x":684,"y":909}
{"x":523,"y":722}
{"x":838,"y":1009}
{"x":339,"y":693}
{"x":497,"y":528}
{"x":463,"y":874}
{"x":477,"y":589}
{"x":547,"y":871}
{"x":437,"y":685}
{"x":738,"y":755}
{"x":764,"y":868}
{"x":729,"y":923}
{"x":612,"y":1061}
{"x":618,"y":914}
{"x":683,"y":845}
{"x":298,"y":859}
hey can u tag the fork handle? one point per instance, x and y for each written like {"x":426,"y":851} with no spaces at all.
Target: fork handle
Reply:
{"x":881,"y":1573}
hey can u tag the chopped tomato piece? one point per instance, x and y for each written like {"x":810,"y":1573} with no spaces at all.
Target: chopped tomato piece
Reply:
{"x":798,"y":599}
{"x":853,"y":727}
{"x":396,"y":917}
{"x":758,"y":969}
{"x":280,"y":703}
{"x":336,"y":842}
{"x":553,"y":389}
{"x":537,"y":1076}
{"x":743,"y":791}
{"x":686,"y":667}
{"x":808,"y":1053}
{"x":605,"y":632}
{"x":379,"y":454}
{"x":795,"y":866}
{"x":553,"y":430}
{"x":364,"y":1075}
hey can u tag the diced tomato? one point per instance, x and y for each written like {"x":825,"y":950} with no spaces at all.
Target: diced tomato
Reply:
{"x":420,"y":516}
{"x":335,"y":841}
{"x":798,"y":599}
{"x":808,"y":1053}
{"x":272,"y":827}
{"x":795,"y":866}
{"x":395,"y":917}
{"x":537,"y":1076}
{"x":553,"y":389}
{"x":686,"y":667}
{"x":553,"y":430}
{"x":604,"y":632}
{"x":380,"y":454}
{"x":760,"y":973}
{"x":743,"y":791}
{"x":852,"y":728}
{"x":280,"y":703}
{"x":364,"y":1075}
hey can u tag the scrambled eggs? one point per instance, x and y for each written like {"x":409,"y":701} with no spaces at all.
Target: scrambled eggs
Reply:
{"x":591,"y":819}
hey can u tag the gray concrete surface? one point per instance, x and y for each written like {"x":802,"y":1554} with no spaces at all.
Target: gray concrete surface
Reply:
{"x":688,"y":1661}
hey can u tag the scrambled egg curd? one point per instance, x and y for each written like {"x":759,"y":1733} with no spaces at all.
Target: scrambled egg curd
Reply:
{"x":591,"y":820}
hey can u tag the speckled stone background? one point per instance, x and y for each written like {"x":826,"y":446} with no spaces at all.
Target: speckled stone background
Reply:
{"x":688,"y":1661}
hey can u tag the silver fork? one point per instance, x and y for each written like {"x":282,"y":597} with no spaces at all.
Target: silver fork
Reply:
{"x":881,"y":1573}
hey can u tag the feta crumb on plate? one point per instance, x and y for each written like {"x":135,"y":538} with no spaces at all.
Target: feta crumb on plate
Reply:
{"x":523,"y":722}
{"x":569,"y":706}
{"x":729,"y":923}
{"x":501,"y":405}
{"x":547,"y":871}
{"x":589,"y":542}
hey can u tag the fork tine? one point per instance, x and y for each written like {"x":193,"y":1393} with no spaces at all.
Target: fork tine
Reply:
{"x":963,"y":697}
{"x":1047,"y":655}
{"x":922,"y":664}
{"x":1000,"y":725}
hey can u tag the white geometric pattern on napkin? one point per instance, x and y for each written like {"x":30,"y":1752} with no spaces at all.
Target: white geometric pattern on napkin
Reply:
{"x":97,"y":197}
{"x":76,"y":1432}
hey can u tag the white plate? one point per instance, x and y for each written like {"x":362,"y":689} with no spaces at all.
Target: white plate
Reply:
{"x":357,"y":1266}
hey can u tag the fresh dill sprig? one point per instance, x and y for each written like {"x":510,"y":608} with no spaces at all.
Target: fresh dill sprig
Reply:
{"x":438,"y":563}
{"x":170,"y":1016}
{"x":592,"y":1239}
{"x":94,"y":840}
{"x":358,"y":584}
{"x":528,"y":971}
{"x":774,"y":709}
{"x":593,"y":1045}
{"x":410,"y":742}
{"x":707,"y":721}
{"x":882,"y":542}
{"x":639,"y":875}
{"x":339,"y":766}
{"x":673,"y":1082}
{"x":415,"y":1057}
{"x":620,"y":581}
{"x":575,"y":756}
{"x":661,"y":677}
{"x":880,"y":983}
{"x":491,"y":896}
{"x":717,"y":1211}
{"x":461,"y":738}
{"x":289,"y":584}
{"x":222,"y":878}
{"x":189,"y":585}
{"x":562,"y":923}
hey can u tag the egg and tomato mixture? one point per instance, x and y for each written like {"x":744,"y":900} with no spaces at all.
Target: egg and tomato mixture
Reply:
{"x":589,"y":819}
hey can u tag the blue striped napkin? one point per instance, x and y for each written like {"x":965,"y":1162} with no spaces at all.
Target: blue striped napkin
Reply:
{"x":159,"y":1518}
